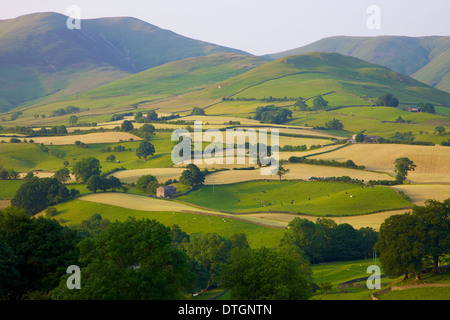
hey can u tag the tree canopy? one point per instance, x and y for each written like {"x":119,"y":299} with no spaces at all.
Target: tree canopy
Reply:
{"x":334,"y":124}
{"x":127,"y":126}
{"x":131,"y":260}
{"x":192,"y":176}
{"x":40,"y":250}
{"x":37,"y":194}
{"x":387,"y":100}
{"x":402,"y":166}
{"x":265,"y":274}
{"x":405,"y":241}
{"x":272,"y":114}
{"x":85,"y":168}
{"x":197,"y":111}
{"x":145,"y":149}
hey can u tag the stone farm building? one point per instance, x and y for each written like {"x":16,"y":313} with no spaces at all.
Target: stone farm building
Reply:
{"x":165,"y":192}
{"x":412,"y":109}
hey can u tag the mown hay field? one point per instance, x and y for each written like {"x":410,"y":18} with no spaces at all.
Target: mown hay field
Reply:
{"x":433,"y":162}
{"x":297,"y":171}
{"x":138,"y":202}
{"x":373,"y":220}
{"x":89,"y":138}
{"x":421,"y":192}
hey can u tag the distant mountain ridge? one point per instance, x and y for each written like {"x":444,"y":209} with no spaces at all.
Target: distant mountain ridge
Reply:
{"x":426,"y":59}
{"x":40,"y":56}
{"x":41,"y":60}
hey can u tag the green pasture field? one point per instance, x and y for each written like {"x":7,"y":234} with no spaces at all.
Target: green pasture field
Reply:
{"x":25,"y":157}
{"x":364,"y":119}
{"x":431,"y":293}
{"x":391,"y":114}
{"x":8,"y":188}
{"x":75,"y":211}
{"x":326,"y":198}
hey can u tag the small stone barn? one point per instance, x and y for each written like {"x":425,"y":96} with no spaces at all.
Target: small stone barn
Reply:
{"x":165,"y":192}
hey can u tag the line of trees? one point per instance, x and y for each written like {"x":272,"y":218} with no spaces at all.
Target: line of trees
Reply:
{"x":272,"y":114}
{"x":269,"y":99}
{"x":140,"y":259}
{"x":166,"y":263}
{"x":325,"y":241}
{"x":321,"y":162}
{"x":6,"y":174}
{"x":36,"y":194}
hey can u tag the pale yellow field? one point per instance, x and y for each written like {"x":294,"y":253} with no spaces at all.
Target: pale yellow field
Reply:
{"x":421,"y":192}
{"x":137,"y":202}
{"x":218,"y":120}
{"x":287,"y":155}
{"x":158,"y":126}
{"x":282,"y":219}
{"x":295,"y":130}
{"x":39,"y":174}
{"x":433,"y":162}
{"x":303,"y":141}
{"x":97,"y":137}
{"x":297,"y":171}
{"x":161,"y":174}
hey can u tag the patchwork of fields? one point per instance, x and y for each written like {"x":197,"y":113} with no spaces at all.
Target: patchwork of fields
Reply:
{"x":433,"y":162}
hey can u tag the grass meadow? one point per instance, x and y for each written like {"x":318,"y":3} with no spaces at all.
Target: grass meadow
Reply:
{"x":73,"y":212}
{"x":314,"y":198}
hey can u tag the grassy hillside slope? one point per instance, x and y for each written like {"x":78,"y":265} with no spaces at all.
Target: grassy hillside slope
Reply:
{"x":41,"y":57}
{"x":411,"y":56}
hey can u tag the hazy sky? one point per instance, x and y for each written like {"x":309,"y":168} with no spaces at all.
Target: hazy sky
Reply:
{"x":261,"y":26}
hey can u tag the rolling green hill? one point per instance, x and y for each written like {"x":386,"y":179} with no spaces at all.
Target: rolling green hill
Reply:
{"x":427,"y":59}
{"x":204,"y":81}
{"x":308,"y":75}
{"x":41,"y":57}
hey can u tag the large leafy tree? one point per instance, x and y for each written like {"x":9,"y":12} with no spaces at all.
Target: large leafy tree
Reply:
{"x":402,"y":166}
{"x":145,"y":149}
{"x":334,"y":124}
{"x":197,"y":111}
{"x":272,"y":114}
{"x":85,"y":168}
{"x":265,"y":274}
{"x":282,"y":170}
{"x":127,"y":126}
{"x":426,"y":107}
{"x":319,"y":103}
{"x":62,"y":175}
{"x":212,"y":251}
{"x":9,"y":275}
{"x":346,"y":243}
{"x":42,"y":250}
{"x":192,"y":176}
{"x":387,"y":100}
{"x":400,"y":246}
{"x":307,"y":236}
{"x":143,"y":181}
{"x":95,"y":183}
{"x":37,"y":194}
{"x":434,"y":217}
{"x":131,"y":260}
